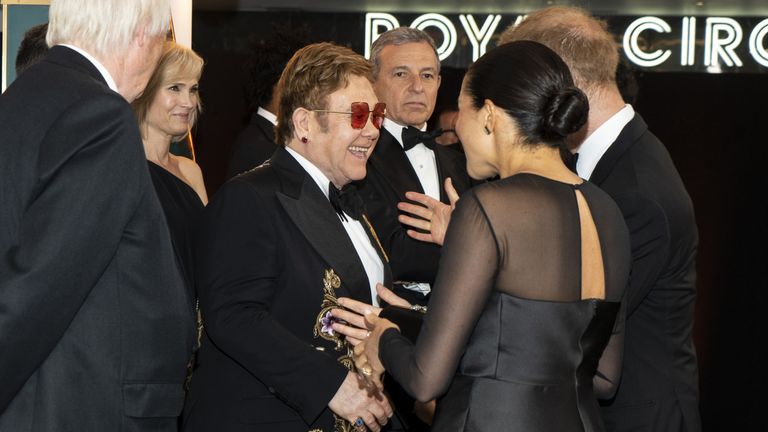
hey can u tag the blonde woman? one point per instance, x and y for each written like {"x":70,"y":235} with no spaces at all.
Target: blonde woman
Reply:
{"x":166,"y":111}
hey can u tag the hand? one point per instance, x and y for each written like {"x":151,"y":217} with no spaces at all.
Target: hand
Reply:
{"x":433,"y":215}
{"x":366,"y":353}
{"x":356,"y":399}
{"x":354,"y":329}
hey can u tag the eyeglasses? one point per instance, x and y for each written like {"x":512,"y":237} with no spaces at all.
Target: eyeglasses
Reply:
{"x":360,"y":112}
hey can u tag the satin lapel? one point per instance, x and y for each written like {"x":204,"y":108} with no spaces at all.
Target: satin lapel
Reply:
{"x":445,"y":166}
{"x":390,"y":160}
{"x":311,"y":212}
{"x":626,"y":139}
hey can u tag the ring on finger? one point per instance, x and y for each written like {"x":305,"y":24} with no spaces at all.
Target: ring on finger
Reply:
{"x":359,"y":424}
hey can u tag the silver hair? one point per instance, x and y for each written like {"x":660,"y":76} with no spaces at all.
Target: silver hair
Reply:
{"x":399,"y":36}
{"x":104,"y":27}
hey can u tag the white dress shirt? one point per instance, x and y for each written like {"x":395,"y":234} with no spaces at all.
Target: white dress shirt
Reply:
{"x":102,"y":70}
{"x":267,"y":115}
{"x":594,"y":147}
{"x":422,"y":160}
{"x":374,"y":268}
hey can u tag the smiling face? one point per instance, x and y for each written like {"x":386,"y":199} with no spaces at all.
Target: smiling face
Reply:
{"x":337,"y":149}
{"x":172,"y":110}
{"x":408,"y":81}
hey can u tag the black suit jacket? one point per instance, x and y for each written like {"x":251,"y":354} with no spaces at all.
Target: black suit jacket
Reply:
{"x":267,"y":238}
{"x":254,"y":145}
{"x":96,"y":326}
{"x":390,"y":175}
{"x":659,"y":384}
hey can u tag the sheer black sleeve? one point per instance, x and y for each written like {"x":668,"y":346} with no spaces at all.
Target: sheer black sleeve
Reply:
{"x":467,"y":272}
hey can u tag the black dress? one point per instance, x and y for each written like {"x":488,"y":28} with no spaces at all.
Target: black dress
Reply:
{"x":508,"y":342}
{"x":182,"y":207}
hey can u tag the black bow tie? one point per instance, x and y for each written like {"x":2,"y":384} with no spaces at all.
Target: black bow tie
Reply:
{"x":346,"y":201}
{"x":413,"y":136}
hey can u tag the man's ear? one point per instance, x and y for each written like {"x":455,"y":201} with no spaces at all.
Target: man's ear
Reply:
{"x":301,"y":123}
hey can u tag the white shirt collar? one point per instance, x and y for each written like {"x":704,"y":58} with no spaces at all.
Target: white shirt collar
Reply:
{"x":313,"y":171}
{"x":594,"y":147}
{"x":396,"y":129}
{"x":267,"y":115}
{"x":103,"y":70}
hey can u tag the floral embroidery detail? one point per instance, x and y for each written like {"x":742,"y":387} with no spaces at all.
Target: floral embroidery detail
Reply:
{"x":323,"y":329}
{"x":327,"y":324}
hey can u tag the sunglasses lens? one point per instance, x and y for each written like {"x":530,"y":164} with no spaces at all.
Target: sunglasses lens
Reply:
{"x":377,"y":116}
{"x":359,"y":114}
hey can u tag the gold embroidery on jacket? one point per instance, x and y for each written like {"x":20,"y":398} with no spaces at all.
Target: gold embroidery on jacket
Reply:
{"x":331,"y":282}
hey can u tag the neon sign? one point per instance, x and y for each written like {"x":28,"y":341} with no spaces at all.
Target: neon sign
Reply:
{"x":713,"y":44}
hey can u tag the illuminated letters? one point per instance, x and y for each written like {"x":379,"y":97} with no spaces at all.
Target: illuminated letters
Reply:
{"x":715,"y":47}
{"x":374,"y":21}
{"x":756,"y":39}
{"x":633,"y":51}
{"x":445,"y":26}
{"x":479,"y":38}
{"x":688,"y":42}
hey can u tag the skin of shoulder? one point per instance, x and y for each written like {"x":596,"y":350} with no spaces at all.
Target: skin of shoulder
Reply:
{"x":193,"y":175}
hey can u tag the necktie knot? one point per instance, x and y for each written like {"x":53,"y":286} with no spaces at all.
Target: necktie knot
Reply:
{"x":413,"y":136}
{"x":346,"y":200}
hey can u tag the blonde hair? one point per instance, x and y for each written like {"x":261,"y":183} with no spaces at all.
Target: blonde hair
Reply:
{"x":175,"y":62}
{"x":580,"y":39}
{"x":104,"y":27}
{"x":311,"y":75}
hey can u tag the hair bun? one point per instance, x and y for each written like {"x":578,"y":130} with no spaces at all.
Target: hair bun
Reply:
{"x":564,"y":113}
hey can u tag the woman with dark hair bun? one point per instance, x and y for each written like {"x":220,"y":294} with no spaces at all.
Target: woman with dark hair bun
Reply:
{"x":525,"y":325}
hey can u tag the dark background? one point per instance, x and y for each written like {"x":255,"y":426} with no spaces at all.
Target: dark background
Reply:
{"x":712,"y":125}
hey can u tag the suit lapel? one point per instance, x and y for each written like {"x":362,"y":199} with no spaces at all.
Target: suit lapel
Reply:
{"x":390,"y":159}
{"x":311,"y":212}
{"x":626,"y":139}
{"x":447,"y":167}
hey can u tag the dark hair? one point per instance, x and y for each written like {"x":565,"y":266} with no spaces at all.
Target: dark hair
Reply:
{"x":32,"y":49}
{"x":267,"y":61}
{"x":533,"y":85}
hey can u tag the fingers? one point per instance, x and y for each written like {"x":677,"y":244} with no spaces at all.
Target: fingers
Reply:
{"x":390,"y":297}
{"x":379,"y":412}
{"x":415,"y":222}
{"x":371,"y":320}
{"x":351,"y":318}
{"x":420,"y":236}
{"x":354,"y":334}
{"x":357,"y":306}
{"x":371,"y":422}
{"x":417,"y":210}
{"x":421,"y":198}
{"x":450,"y":191}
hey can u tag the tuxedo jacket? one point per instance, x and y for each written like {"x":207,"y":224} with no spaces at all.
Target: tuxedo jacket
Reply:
{"x":254,"y":145}
{"x":659,"y":383}
{"x":266,"y":241}
{"x":390,"y":175}
{"x":96,"y":326}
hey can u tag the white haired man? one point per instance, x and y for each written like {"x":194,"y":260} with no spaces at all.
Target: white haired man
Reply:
{"x":96,"y":327}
